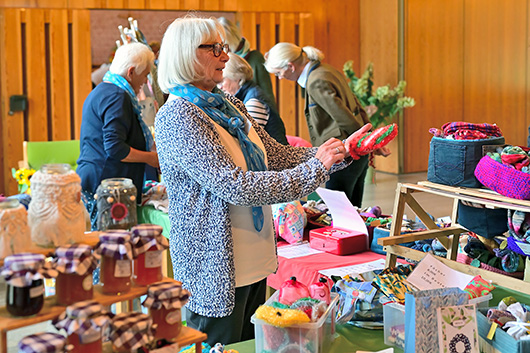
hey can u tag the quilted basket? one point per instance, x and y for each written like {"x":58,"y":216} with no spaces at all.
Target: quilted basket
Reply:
{"x":506,"y":181}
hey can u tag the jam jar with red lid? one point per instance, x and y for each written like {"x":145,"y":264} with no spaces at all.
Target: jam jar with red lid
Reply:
{"x":147,"y":243}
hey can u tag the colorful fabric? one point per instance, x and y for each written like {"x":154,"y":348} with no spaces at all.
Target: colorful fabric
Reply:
{"x":478,"y":287}
{"x":20,"y":270}
{"x":467,"y":131}
{"x":131,"y":330}
{"x":75,"y":258}
{"x":83,"y":318}
{"x":122,"y":83}
{"x":503,"y":179}
{"x":215,"y":105}
{"x":115,"y":243}
{"x":145,"y":236}
{"x":43,"y":343}
{"x":391,"y":281}
{"x":289,"y":221}
{"x":170,"y":295}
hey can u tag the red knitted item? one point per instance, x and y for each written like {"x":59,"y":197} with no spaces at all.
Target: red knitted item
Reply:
{"x":506,"y":181}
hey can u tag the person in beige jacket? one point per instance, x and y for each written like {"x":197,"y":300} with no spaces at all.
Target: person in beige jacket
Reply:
{"x":331,"y":109}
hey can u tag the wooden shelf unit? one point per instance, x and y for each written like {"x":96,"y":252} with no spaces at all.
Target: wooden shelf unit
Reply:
{"x":51,"y":310}
{"x":447,"y":236}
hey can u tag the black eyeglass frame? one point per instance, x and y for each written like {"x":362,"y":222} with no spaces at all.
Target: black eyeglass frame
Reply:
{"x":217,"y":48}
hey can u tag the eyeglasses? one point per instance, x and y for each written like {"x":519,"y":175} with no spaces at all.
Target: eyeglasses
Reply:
{"x":217,"y":48}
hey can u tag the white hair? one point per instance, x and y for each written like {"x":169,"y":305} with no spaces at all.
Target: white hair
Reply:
{"x":238,"y":69}
{"x":280,"y":55}
{"x":137,"y":55}
{"x":233,"y":33}
{"x":177,"y":60}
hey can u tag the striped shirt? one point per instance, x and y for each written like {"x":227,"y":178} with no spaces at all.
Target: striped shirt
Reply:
{"x":258,"y":111}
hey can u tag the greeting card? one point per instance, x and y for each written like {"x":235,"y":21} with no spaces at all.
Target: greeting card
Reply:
{"x":457,"y":329}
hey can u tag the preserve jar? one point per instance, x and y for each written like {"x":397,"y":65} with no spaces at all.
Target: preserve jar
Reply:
{"x":74,"y":264}
{"x":44,"y":342}
{"x":120,"y":332}
{"x":116,"y":204}
{"x":147,"y":243}
{"x":83,"y":323}
{"x":164,"y":301}
{"x":14,"y":230}
{"x":115,"y":253}
{"x":56,"y":215}
{"x":24,"y":274}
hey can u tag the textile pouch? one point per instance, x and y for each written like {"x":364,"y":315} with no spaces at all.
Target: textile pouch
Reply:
{"x":486,"y":222}
{"x":289,"y":221}
{"x":453,"y":162}
{"x":383,"y":233}
{"x":421,"y":335}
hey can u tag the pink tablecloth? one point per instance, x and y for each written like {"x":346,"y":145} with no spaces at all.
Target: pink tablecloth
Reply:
{"x":306,"y":268}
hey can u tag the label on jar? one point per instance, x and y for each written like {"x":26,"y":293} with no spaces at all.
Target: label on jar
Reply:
{"x":90,"y":336}
{"x":36,"y":291}
{"x":87,"y":283}
{"x":153,"y":259}
{"x":122,"y":268}
{"x":173,"y":317}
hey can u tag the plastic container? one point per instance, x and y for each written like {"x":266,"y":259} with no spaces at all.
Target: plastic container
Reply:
{"x":116,"y":202}
{"x":314,"y":337}
{"x":482,"y":302}
{"x":394,"y":322}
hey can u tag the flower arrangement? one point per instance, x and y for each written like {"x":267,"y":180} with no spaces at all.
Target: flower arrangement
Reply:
{"x":23,"y":176}
{"x":381,"y":105}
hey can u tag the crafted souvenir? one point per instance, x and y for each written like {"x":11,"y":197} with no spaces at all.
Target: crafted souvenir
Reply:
{"x":292,"y":290}
{"x":371,"y":141}
{"x":320,"y":290}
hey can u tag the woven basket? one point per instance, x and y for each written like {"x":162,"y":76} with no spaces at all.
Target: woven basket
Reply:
{"x":506,"y":181}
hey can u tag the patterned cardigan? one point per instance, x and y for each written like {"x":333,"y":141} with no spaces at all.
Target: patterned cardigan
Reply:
{"x":202,"y":181}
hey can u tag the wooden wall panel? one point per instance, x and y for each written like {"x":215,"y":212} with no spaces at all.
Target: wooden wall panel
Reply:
{"x":495,"y":56}
{"x":434,"y":53}
{"x":268,"y":38}
{"x":247,"y":23}
{"x":287,"y":89}
{"x":36,"y":75}
{"x":307,"y":37}
{"x":10,"y":84}
{"x":135,"y":4}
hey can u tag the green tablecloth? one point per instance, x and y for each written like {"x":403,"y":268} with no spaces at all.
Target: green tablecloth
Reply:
{"x":148,"y":214}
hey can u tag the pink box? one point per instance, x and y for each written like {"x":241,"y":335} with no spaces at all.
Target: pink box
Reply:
{"x":338,"y":241}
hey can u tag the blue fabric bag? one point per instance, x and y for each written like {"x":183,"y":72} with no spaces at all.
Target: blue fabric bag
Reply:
{"x":486,"y":222}
{"x":421,"y":328}
{"x":383,"y":233}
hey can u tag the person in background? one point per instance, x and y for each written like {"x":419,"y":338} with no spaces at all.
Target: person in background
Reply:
{"x":331,"y":109}
{"x":222,"y":172}
{"x":115,"y":142}
{"x":237,"y":81}
{"x":241,"y":46}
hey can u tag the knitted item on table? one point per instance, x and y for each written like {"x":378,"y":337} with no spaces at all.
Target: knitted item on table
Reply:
{"x":467,"y":131}
{"x":505,"y":180}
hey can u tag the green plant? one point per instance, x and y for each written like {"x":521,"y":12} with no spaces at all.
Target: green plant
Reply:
{"x":382,"y":103}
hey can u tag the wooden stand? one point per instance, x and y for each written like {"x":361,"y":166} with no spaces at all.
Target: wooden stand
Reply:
{"x":448,"y":236}
{"x":51,"y":311}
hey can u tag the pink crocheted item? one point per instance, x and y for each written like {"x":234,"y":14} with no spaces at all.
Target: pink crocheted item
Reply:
{"x":506,"y":181}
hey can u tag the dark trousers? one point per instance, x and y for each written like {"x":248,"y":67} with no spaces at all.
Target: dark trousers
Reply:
{"x":350,"y":180}
{"x":236,"y":327}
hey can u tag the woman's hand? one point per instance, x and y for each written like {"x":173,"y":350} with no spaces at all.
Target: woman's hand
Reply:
{"x":355,"y":137}
{"x":330,"y":152}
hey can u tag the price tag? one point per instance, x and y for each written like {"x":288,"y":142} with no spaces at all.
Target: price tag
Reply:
{"x":36,"y":291}
{"x":153,"y":259}
{"x":491,"y":332}
{"x":122,"y":268}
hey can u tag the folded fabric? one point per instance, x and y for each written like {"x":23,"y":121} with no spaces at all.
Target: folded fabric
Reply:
{"x":478,"y":287}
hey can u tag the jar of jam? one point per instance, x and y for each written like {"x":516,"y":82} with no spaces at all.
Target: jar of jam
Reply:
{"x":14,"y":230}
{"x":116,"y":204}
{"x":148,"y":243}
{"x":44,"y":342}
{"x":120,"y":332}
{"x":114,"y":249}
{"x":75,"y":264}
{"x":24,"y":274}
{"x":83,"y":323}
{"x":164,"y":301}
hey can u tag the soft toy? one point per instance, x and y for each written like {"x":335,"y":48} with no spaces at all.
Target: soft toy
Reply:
{"x":281,"y":317}
{"x":371,"y":141}
{"x":292,"y":290}
{"x":320,"y":290}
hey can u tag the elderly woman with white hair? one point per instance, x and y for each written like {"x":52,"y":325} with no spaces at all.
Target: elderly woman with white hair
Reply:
{"x":115,"y":141}
{"x":237,"y":81}
{"x":222,"y":173}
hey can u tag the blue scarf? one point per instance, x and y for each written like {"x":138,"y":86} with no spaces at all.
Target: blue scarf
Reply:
{"x":215,"y":105}
{"x":122,"y":83}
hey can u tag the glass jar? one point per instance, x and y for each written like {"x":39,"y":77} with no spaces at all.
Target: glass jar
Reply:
{"x":115,"y":251}
{"x":121,"y":326}
{"x":14,"y":229}
{"x":75,"y":264}
{"x":116,"y":204}
{"x":25,"y":287}
{"x":148,"y":243}
{"x":164,"y":301}
{"x":59,"y":168}
{"x":44,"y":342}
{"x":83,"y":323}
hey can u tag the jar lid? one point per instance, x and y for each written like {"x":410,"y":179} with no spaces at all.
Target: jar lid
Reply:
{"x":84,"y":309}
{"x":115,"y":243}
{"x":24,"y":261}
{"x":169,"y":294}
{"x":73,"y":251}
{"x":44,"y":342}
{"x":117,"y":236}
{"x":146,"y":230}
{"x":20,"y":270}
{"x":131,"y":330}
{"x":145,"y":236}
{"x":82,"y":317}
{"x":75,"y":258}
{"x":55,"y":168}
{"x":116,"y":182}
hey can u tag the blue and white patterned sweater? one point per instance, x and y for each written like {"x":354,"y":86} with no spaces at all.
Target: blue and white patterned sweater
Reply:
{"x":202,"y":180}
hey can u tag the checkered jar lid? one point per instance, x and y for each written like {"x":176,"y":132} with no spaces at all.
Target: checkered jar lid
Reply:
{"x":131,"y":330}
{"x":75,"y":258}
{"x":145,"y":236}
{"x":21,"y":269}
{"x":82,"y":318}
{"x":44,"y":342}
{"x":115,"y":243}
{"x":171,"y":295}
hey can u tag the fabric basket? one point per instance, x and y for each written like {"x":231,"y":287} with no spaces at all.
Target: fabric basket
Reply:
{"x":453,"y":162}
{"x":503,"y":179}
{"x":485,"y":222}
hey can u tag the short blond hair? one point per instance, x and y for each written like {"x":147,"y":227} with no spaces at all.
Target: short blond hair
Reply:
{"x":177,"y":62}
{"x":135,"y":55}
{"x":238,"y":69}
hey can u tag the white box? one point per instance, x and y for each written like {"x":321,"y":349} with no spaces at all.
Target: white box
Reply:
{"x":394,"y":322}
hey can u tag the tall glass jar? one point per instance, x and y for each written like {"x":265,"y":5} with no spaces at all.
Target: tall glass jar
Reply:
{"x":116,"y":204}
{"x":148,"y":243}
{"x":24,"y":274}
{"x":14,"y":230}
{"x":120,"y":332}
{"x":75,"y":264}
{"x":164,"y":301}
{"x":55,"y":214}
{"x":44,"y":342}
{"x":83,"y":323}
{"x":114,"y":249}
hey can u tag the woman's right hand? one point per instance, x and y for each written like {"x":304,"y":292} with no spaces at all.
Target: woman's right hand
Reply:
{"x":330,"y":152}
